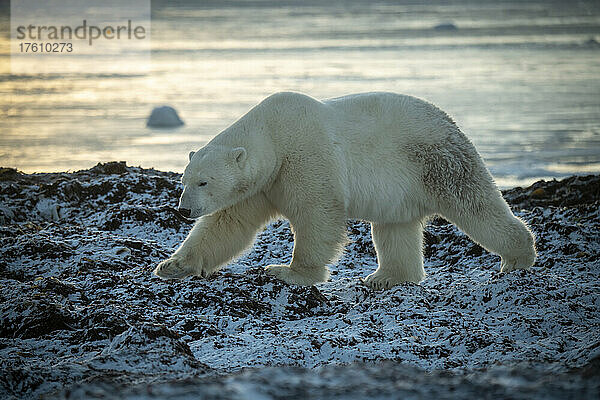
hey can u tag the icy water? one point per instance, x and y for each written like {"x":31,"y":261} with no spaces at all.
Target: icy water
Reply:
{"x":520,"y":78}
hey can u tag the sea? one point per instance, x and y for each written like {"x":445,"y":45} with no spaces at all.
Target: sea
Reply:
{"x":521,"y":79}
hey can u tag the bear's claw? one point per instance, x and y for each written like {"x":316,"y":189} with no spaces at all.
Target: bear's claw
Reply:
{"x":379,"y":282}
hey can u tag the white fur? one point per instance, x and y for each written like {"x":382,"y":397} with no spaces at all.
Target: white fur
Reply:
{"x":390,"y":159}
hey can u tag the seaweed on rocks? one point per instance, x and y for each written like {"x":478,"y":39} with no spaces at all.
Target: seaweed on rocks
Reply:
{"x":81,"y":314}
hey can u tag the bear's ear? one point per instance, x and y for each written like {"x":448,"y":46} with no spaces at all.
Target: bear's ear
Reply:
{"x":239,"y":155}
{"x":192,"y":154}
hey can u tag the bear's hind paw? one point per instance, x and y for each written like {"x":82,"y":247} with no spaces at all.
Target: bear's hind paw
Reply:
{"x":172,"y":268}
{"x":380,"y":282}
{"x":293,"y":277}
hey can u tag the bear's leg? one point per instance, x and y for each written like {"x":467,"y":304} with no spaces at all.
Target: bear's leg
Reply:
{"x":495,"y":228}
{"x":319,"y":239}
{"x":399,"y":254}
{"x":217,"y":238}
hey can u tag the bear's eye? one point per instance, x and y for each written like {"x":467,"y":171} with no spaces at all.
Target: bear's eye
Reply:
{"x":202,"y":183}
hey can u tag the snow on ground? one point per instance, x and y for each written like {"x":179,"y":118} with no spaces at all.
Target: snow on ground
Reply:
{"x":81,"y":314}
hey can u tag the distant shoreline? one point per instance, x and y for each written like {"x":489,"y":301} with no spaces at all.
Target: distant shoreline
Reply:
{"x":543,"y":192}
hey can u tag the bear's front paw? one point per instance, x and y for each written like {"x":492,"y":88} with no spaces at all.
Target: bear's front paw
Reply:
{"x":380,"y":282}
{"x":173,"y":268}
{"x":511,"y":264}
{"x":294,"y":277}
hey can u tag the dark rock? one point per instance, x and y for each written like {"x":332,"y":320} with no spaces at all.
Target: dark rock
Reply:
{"x":9,"y":174}
{"x":538,"y":193}
{"x":448,"y":26}
{"x":572,"y":191}
{"x":110,"y":168}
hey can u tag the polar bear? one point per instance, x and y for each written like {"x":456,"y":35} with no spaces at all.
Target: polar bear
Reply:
{"x":390,"y":159}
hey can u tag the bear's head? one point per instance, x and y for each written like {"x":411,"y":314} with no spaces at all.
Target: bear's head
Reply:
{"x":215,"y":178}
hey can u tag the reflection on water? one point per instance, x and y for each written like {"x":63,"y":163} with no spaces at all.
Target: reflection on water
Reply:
{"x":520,"y":79}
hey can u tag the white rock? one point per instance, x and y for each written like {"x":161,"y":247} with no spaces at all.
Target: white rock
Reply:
{"x":164,"y":117}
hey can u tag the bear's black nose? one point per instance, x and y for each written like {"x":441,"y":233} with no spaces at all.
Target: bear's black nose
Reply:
{"x":185,"y":212}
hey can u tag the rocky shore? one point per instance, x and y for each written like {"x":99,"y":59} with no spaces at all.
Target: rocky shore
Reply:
{"x":81,"y":316}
